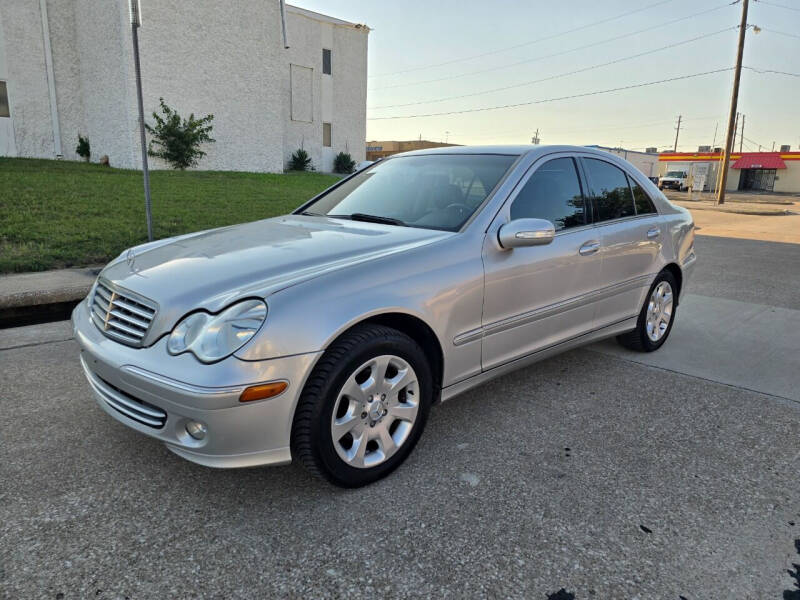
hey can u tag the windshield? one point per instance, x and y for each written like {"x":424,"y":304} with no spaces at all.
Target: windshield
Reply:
{"x":435,"y":191}
{"x":678,"y":174}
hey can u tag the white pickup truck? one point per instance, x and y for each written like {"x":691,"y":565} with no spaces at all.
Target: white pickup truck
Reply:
{"x":677,"y":180}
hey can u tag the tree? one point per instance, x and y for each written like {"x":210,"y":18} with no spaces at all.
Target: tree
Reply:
{"x":300,"y":161}
{"x":83,"y":148}
{"x":178,"y":140}
{"x":344,"y":163}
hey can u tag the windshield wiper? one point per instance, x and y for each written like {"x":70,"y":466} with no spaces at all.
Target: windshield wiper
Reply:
{"x":308,"y":213}
{"x":376,"y":219}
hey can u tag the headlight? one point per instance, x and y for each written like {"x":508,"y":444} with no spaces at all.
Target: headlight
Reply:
{"x":213,"y":337}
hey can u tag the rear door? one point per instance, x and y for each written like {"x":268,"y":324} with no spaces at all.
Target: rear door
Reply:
{"x":630,"y":238}
{"x":538,"y":296}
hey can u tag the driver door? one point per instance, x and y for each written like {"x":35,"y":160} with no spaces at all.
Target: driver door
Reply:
{"x":536,"y":297}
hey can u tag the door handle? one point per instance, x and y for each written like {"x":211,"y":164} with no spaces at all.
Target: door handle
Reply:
{"x":653,"y":232}
{"x":589,"y":248}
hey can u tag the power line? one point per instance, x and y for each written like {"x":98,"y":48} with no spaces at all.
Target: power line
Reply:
{"x":660,"y":26}
{"x":550,"y":37}
{"x":762,"y":71}
{"x":778,"y":5}
{"x":559,"y":75}
{"x":571,"y":96}
{"x":793,"y":35}
{"x":559,"y":132}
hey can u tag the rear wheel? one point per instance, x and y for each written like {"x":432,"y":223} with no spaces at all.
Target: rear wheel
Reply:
{"x":364,"y":406}
{"x":656,"y":317}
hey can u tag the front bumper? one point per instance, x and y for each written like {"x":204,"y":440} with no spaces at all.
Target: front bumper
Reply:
{"x":157,"y":394}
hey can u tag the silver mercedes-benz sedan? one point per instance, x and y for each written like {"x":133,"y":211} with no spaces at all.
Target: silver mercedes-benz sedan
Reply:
{"x":326,"y":335}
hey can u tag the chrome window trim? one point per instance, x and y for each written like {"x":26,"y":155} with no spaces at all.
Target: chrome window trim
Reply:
{"x":624,"y":219}
{"x":630,"y":176}
{"x":505,"y":208}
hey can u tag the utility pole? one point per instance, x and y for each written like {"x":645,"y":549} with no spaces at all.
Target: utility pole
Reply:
{"x":741,"y":135}
{"x":535,"y":138}
{"x":714,"y":143}
{"x":735,"y":132}
{"x":136,"y":22}
{"x":737,"y":75}
{"x":773,"y":146}
{"x":677,"y":133}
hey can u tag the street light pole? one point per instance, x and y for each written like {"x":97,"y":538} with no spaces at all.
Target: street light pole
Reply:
{"x":737,"y":74}
{"x":136,"y":22}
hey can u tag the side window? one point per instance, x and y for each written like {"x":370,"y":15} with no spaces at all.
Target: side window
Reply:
{"x":326,"y":61}
{"x":554,"y":193}
{"x":644,"y":205}
{"x":610,"y":190}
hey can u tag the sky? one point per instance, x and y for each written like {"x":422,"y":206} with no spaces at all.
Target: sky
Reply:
{"x":444,"y":56}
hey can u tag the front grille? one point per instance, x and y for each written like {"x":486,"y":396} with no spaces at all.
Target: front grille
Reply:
{"x":121,"y":315}
{"x":131,"y":407}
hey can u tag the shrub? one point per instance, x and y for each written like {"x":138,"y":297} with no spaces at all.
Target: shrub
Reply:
{"x":344,"y":163}
{"x":178,"y":140}
{"x":300,"y":161}
{"x":83,"y":148}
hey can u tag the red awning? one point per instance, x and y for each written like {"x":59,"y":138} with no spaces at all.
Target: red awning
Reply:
{"x":760,"y":160}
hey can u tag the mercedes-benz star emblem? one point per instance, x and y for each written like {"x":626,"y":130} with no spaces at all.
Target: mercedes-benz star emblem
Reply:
{"x":130,"y":259}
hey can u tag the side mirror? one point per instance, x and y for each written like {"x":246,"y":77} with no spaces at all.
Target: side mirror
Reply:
{"x":526,"y":232}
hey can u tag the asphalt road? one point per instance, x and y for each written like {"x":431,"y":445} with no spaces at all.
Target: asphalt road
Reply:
{"x":588,"y":473}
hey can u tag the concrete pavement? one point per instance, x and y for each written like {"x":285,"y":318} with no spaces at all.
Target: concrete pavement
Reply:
{"x":587,"y":472}
{"x":751,"y":346}
{"x":607,"y":474}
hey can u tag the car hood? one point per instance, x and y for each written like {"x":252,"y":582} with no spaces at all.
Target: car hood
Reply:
{"x":211,"y":269}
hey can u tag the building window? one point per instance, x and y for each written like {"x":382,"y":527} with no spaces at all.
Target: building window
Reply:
{"x":4,"y":108}
{"x":326,"y":61}
{"x":326,"y":135}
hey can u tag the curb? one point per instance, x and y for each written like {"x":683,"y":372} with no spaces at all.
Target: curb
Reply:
{"x":41,"y":298}
{"x":27,"y":298}
{"x":741,"y":211}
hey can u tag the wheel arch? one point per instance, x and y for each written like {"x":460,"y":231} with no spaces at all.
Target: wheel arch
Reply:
{"x":415,"y":328}
{"x":676,"y":272}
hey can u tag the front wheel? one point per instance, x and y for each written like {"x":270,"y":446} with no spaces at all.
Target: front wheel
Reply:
{"x":656,"y":317}
{"x":364,"y":406}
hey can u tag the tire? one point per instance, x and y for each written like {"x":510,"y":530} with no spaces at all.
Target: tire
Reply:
{"x":640,"y":339}
{"x":334,"y":394}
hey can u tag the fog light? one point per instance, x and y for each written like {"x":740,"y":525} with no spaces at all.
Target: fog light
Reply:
{"x":196,"y":429}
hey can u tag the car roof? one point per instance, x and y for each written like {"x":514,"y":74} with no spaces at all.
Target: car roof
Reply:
{"x":512,"y":150}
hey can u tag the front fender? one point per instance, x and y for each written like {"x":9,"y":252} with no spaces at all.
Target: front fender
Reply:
{"x":440,"y":284}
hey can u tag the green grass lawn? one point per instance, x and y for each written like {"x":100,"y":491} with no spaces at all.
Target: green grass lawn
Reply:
{"x":56,"y":214}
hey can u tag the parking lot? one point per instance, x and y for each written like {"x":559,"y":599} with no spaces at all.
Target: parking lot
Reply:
{"x":599,"y":472}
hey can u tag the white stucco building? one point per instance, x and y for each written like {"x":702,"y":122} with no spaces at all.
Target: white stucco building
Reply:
{"x":66,"y":67}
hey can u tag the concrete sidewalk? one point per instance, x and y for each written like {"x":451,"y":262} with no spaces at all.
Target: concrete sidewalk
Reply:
{"x":746,"y":345}
{"x":48,"y":287}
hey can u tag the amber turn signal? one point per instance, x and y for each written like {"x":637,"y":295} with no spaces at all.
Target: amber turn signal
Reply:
{"x":264,"y":391}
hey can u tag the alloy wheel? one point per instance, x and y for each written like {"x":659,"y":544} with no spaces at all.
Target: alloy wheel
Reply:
{"x":375,"y":411}
{"x":659,"y":311}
